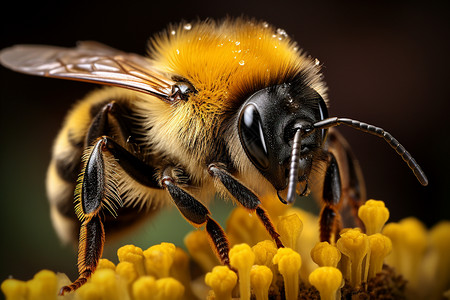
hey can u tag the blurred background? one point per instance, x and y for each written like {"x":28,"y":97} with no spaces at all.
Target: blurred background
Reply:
{"x":385,"y":63}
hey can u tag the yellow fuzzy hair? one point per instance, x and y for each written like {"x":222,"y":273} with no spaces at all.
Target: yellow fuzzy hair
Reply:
{"x":226,"y":61}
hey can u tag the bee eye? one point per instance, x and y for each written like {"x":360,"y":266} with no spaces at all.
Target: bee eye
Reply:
{"x":252,"y":137}
{"x":181,"y":90}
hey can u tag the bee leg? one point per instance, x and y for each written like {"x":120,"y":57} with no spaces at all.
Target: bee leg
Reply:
{"x":353,"y":187}
{"x":92,"y":234}
{"x":246,"y":198}
{"x":198,"y":215}
{"x":95,"y":196}
{"x":329,"y":218}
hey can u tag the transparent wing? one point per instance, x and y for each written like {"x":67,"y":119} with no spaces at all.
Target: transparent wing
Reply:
{"x":92,"y":62}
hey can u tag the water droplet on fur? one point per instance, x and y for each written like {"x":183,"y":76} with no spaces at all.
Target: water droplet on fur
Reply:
{"x":241,"y":62}
{"x":316,"y":62}
{"x":281,"y":32}
{"x":187,"y":26}
{"x":173,"y":32}
{"x":237,"y":43}
{"x":265,"y":24}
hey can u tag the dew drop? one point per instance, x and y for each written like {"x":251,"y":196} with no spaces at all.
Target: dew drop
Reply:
{"x":316,"y":62}
{"x":241,"y":62}
{"x":281,"y":32}
{"x":187,"y":26}
{"x":237,"y":43}
{"x":265,"y":25}
{"x":178,"y":51}
{"x":173,"y":32}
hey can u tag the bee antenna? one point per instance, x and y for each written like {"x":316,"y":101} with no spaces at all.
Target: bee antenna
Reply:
{"x":294,"y":167}
{"x":412,"y":164}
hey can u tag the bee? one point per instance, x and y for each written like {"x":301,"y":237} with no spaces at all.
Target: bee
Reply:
{"x":232,"y":107}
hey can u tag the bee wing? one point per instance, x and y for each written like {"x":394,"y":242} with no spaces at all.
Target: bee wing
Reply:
{"x":91,"y":62}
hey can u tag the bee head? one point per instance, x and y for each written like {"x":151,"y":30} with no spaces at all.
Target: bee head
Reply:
{"x":268,"y":122}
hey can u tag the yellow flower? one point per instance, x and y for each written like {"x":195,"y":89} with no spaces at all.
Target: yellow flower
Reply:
{"x":401,"y":260}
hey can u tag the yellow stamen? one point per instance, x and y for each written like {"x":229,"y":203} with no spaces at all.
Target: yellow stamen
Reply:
{"x":290,"y":228}
{"x":169,"y":289}
{"x":409,"y":242}
{"x":354,"y":245}
{"x":327,"y":280}
{"x":222,"y":280}
{"x":104,"y":284}
{"x":242,"y":259}
{"x":264,"y":253}
{"x":43,"y":285}
{"x":144,"y":288}
{"x":134,"y":255}
{"x":309,"y":239}
{"x":245,"y":227}
{"x":106,"y":264}
{"x":127,"y":271}
{"x":260,"y":278}
{"x":380,"y":247}
{"x":180,"y":271}
{"x":289,"y":263}
{"x":200,"y":250}
{"x":15,"y":289}
{"x":159,"y":259}
{"x":440,"y":242}
{"x":374,"y":215}
{"x":325,"y":255}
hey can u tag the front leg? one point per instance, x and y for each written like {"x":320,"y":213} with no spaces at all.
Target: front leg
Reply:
{"x":198,"y":215}
{"x":329,"y":218}
{"x":245,"y":197}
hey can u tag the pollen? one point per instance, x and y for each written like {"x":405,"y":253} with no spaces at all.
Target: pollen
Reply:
{"x":289,"y":263}
{"x":222,"y":280}
{"x":328,"y":281}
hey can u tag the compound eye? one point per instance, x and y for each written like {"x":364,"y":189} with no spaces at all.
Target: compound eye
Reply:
{"x":252,"y":137}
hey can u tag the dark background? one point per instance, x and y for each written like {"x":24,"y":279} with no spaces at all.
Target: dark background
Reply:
{"x":385,"y":63}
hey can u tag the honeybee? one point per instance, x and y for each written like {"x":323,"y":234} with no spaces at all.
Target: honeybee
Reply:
{"x":231,"y":107}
